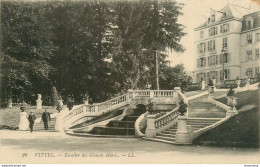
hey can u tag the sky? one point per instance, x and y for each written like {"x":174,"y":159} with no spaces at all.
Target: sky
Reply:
{"x":195,"y":12}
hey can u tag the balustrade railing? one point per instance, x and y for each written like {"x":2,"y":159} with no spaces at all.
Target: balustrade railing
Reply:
{"x":97,"y":109}
{"x":166,"y":119}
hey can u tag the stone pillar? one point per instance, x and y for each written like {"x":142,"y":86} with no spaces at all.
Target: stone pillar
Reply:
{"x":96,"y":107}
{"x":10,"y":103}
{"x":182,"y":134}
{"x":24,"y":123}
{"x":231,"y":112}
{"x":130,"y":94}
{"x":59,"y":123}
{"x":151,"y":94}
{"x":86,"y":102}
{"x":176,"y":95}
{"x":248,"y":83}
{"x":39,"y":104}
{"x":203,"y":85}
{"x":214,"y":84}
{"x":150,"y":130}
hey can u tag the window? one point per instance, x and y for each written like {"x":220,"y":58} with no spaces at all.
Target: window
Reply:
{"x":249,"y":23}
{"x":224,"y":28}
{"x":201,"y":34}
{"x":257,"y":71}
{"x":249,"y":38}
{"x":211,"y":45}
{"x":225,"y":43}
{"x":213,"y":17}
{"x":258,"y":37}
{"x":249,"y":56}
{"x":209,"y":60}
{"x":226,"y":74}
{"x":201,"y":47}
{"x":249,"y":72}
{"x":201,"y":76}
{"x":213,"y":31}
{"x":257,"y":54}
{"x":201,"y":62}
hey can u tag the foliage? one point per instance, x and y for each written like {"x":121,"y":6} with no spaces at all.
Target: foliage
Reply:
{"x":231,"y":92}
{"x":182,"y":107}
{"x":101,"y":47}
{"x":241,"y":130}
{"x":150,"y":107}
{"x":210,"y":83}
{"x":54,"y":96}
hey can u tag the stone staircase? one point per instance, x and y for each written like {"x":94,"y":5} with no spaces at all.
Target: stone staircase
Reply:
{"x":114,"y":128}
{"x":118,"y":127}
{"x":40,"y":126}
{"x":200,"y":115}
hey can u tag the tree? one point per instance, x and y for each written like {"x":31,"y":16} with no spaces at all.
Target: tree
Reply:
{"x":26,"y":48}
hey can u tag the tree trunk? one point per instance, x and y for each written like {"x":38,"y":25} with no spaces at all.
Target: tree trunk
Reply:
{"x":156,"y":70}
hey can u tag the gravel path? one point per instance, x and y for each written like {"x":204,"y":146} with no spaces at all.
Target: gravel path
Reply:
{"x":14,"y":145}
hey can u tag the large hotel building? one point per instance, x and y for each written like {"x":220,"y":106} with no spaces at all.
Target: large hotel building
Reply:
{"x":227,"y":45}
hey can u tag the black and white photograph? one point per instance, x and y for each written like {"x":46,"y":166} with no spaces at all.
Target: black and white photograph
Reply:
{"x":129,"y":82}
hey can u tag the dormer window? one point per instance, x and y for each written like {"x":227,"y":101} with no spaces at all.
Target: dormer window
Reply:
{"x":249,"y":23}
{"x":213,"y":18}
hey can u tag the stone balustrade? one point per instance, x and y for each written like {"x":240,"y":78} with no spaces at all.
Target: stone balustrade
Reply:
{"x":76,"y":114}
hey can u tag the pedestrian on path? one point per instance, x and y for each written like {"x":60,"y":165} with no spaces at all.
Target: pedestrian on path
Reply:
{"x":46,"y":118}
{"x":31,"y":119}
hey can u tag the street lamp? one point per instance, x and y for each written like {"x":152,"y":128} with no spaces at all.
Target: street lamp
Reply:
{"x":224,"y":59}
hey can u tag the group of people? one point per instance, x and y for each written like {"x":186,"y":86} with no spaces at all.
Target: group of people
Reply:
{"x":45,"y":118}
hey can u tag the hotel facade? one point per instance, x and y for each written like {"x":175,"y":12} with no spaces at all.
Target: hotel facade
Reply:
{"x":227,"y":45}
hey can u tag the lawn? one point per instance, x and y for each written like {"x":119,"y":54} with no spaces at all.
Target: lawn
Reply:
{"x":241,"y":130}
{"x":9,"y":118}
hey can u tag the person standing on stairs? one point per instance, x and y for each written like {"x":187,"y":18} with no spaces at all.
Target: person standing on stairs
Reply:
{"x":46,"y":118}
{"x":31,"y":119}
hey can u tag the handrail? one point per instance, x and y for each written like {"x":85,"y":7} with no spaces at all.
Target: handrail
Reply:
{"x":137,"y":124}
{"x":97,"y":109}
{"x":166,"y":119}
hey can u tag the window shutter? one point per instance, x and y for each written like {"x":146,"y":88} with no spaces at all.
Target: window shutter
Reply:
{"x":228,"y":74}
{"x":198,"y":61}
{"x":198,"y":48}
{"x":216,"y":59}
{"x":216,"y":30}
{"x":227,"y":27}
{"x":220,"y":59}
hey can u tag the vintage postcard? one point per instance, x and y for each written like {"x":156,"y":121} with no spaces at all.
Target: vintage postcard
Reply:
{"x":129,"y":82}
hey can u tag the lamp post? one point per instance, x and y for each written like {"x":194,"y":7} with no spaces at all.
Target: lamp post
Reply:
{"x":224,"y":58}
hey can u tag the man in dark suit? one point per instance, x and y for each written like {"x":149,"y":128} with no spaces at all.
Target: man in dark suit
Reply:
{"x":46,"y":118}
{"x":31,"y":119}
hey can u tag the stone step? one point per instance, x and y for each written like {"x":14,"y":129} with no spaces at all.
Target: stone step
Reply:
{"x":201,"y":120}
{"x":159,"y":140}
{"x":200,"y":123}
{"x":130,"y":118}
{"x":167,"y":134}
{"x":165,"y":138}
{"x":113,"y":131}
{"x":125,"y":124}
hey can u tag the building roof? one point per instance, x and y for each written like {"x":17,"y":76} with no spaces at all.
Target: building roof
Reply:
{"x":255,"y":17}
{"x":231,"y":11}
